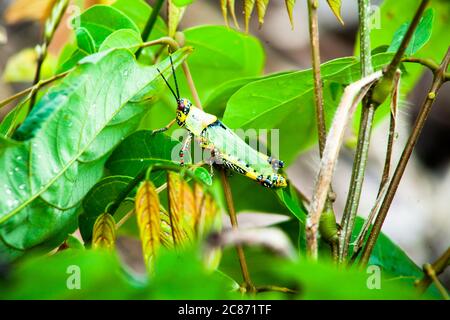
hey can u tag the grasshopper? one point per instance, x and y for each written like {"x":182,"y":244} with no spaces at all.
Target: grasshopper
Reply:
{"x":226,"y":147}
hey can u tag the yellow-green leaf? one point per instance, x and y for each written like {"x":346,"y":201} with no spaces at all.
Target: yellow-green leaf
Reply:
{"x":261,"y":7}
{"x":224,"y":8}
{"x":104,"y":233}
{"x":226,"y":5}
{"x":206,"y":209}
{"x":149,"y":221}
{"x":166,"y":230}
{"x":231,"y":5}
{"x":290,"y":9}
{"x":248,"y":9}
{"x":182,"y":211}
{"x":335,"y":6}
{"x":174,"y":14}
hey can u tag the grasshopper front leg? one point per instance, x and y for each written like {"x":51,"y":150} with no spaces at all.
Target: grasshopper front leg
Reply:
{"x":163,"y":129}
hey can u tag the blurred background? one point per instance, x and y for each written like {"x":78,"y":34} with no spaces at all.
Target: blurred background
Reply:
{"x":419,"y":220}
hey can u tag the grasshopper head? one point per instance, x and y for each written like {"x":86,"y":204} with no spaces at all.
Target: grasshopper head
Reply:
{"x":184,"y":106}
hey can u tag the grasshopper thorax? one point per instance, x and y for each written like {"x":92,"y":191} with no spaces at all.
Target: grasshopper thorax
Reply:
{"x":184,"y":106}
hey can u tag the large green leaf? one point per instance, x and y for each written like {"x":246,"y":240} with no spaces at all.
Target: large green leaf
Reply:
{"x":217,"y":100}
{"x":285,"y":102}
{"x":142,"y":149}
{"x":66,"y":140}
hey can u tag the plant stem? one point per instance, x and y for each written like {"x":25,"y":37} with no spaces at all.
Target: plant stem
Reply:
{"x":395,"y":62}
{"x":37,"y":86}
{"x":357,"y":179}
{"x":187,"y":73}
{"x":438,"y":81}
{"x":125,"y":192}
{"x":318,"y":92}
{"x":391,"y":136}
{"x":351,"y":97}
{"x":434,"y":269}
{"x":365,"y":130}
{"x":234,"y":224}
{"x":150,"y":24}
{"x":383,"y":88}
{"x":429,"y":63}
{"x":51,"y":25}
{"x":191,"y":84}
{"x":315,"y":57}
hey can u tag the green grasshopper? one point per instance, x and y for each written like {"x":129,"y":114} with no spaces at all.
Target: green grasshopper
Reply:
{"x":226,"y":147}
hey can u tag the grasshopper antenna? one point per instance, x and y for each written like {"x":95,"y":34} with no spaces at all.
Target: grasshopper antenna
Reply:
{"x":167,"y":83}
{"x":174,"y":77}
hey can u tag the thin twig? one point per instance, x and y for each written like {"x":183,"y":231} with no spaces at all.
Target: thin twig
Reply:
{"x":353,"y":94}
{"x":365,"y":130}
{"x":234,"y":224}
{"x":359,"y":242}
{"x":382,"y":88}
{"x":51,"y":25}
{"x":438,"y":81}
{"x":124,"y":219}
{"x":315,"y":57}
{"x":37,"y":86}
{"x":191,"y":85}
{"x":438,"y":267}
{"x":357,"y":179}
{"x":429,"y":63}
{"x":318,"y":92}
{"x":391,"y":137}
{"x":150,"y":24}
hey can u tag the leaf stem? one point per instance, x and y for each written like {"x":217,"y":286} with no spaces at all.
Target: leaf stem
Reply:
{"x":429,"y":63}
{"x":150,"y":24}
{"x":234,"y":224}
{"x":365,"y":130}
{"x":434,"y":269}
{"x":37,"y":86}
{"x":438,"y":81}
